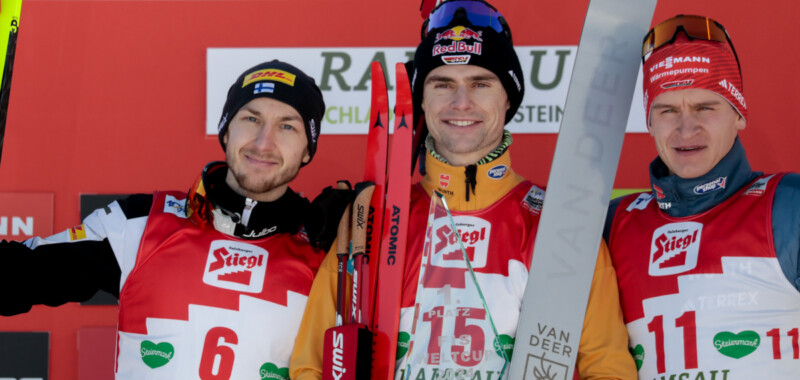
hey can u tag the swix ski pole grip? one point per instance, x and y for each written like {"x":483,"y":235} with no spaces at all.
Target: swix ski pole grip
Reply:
{"x":358,"y":230}
{"x":342,"y":252}
{"x":346,"y":353}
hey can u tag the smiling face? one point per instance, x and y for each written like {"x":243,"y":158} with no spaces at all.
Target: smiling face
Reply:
{"x":266,"y":144}
{"x":465,"y":108}
{"x":693,"y":130}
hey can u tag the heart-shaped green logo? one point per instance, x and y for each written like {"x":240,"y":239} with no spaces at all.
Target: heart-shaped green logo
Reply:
{"x":156,"y":355}
{"x":737,"y":345}
{"x":271,"y":371}
{"x":402,"y":344}
{"x":504,"y":342}
{"x":638,"y":355}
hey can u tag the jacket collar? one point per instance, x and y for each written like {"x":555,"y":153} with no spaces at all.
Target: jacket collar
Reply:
{"x":679,"y":197}
{"x":472,"y":187}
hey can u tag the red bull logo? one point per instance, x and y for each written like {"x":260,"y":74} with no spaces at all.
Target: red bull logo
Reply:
{"x":269,"y":74}
{"x":457,"y":47}
{"x":459,"y":33}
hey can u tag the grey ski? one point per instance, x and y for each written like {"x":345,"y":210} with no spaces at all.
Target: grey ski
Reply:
{"x":579,"y":188}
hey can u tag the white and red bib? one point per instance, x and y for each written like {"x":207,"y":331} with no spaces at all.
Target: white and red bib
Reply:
{"x":704,"y":296}
{"x":452,"y":336}
{"x":200,"y":304}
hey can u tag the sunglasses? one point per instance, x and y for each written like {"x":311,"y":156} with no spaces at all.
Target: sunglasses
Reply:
{"x":695,"y":27}
{"x":476,"y":12}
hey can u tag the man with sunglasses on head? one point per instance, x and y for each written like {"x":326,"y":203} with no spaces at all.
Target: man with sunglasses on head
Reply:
{"x":211,"y":284}
{"x":468,"y":83}
{"x":707,"y":263}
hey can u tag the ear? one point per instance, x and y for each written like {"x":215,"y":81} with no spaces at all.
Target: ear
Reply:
{"x":225,"y":137}
{"x":306,"y":156}
{"x":741,"y":123}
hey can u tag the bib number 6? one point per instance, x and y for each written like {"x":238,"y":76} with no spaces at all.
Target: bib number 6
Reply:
{"x":216,"y":363}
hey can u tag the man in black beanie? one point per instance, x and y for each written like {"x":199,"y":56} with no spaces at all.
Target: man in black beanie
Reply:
{"x":468,"y":83}
{"x":213,"y":282}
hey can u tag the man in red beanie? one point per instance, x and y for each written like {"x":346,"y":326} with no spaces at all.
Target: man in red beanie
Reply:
{"x":707,"y":263}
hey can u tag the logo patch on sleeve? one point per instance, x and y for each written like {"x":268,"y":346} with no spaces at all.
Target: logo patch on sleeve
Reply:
{"x":675,"y":248}
{"x":534,"y":200}
{"x":175,"y":206}
{"x":759,"y":187}
{"x":641,"y":202}
{"x":236,"y":266}
{"x":77,"y":233}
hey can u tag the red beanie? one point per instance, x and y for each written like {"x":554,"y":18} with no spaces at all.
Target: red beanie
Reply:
{"x":686,"y":64}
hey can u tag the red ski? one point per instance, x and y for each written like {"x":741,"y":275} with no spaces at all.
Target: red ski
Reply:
{"x":393,"y":242}
{"x":346,"y":355}
{"x":375,"y":172}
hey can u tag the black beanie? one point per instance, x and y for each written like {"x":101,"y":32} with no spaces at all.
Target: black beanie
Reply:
{"x":283,"y":82}
{"x":461,"y":43}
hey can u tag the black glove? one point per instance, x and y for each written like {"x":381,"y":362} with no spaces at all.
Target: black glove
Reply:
{"x":324,"y":214}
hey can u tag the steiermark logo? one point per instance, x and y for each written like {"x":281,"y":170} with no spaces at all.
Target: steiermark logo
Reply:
{"x":638,"y":355}
{"x":402,"y":344}
{"x":156,"y":355}
{"x":737,"y":345}
{"x":505,"y":343}
{"x":271,"y":371}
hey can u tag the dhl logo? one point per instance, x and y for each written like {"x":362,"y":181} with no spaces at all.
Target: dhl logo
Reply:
{"x":77,"y":233}
{"x":269,"y":74}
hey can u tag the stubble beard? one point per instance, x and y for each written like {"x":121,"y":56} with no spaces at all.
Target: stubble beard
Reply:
{"x":255,"y":186}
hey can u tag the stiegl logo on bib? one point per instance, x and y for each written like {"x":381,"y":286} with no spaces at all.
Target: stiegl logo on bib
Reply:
{"x":236,"y":266}
{"x":674,"y":248}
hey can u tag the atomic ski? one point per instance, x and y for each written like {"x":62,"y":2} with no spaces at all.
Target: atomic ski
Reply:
{"x":375,"y":172}
{"x":393,"y":242}
{"x":579,"y":188}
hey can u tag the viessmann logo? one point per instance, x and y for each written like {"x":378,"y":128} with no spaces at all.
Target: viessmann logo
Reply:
{"x":675,"y":248}
{"x":670,"y":61}
{"x":236,"y":266}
